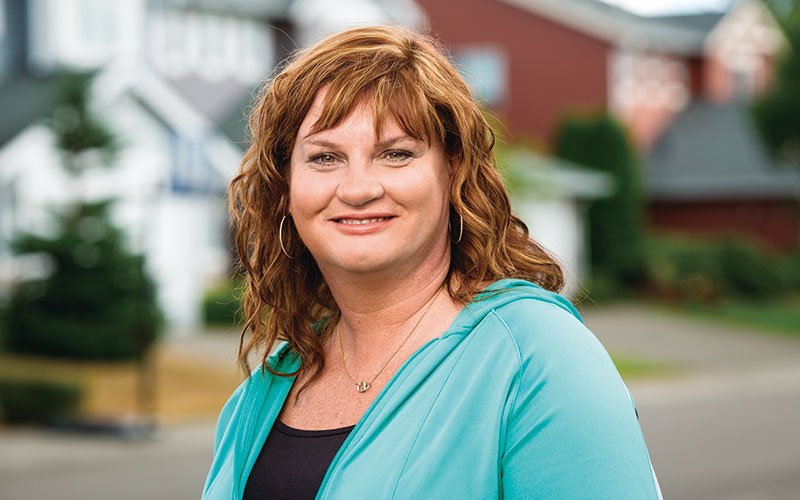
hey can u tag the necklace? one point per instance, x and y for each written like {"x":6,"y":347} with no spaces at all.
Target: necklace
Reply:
{"x":363,"y":385}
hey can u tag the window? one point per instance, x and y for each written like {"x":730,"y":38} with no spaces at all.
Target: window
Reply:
{"x":485,"y":70}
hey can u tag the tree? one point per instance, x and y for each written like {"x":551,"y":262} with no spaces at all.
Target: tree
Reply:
{"x":98,"y":302}
{"x":616,"y":229}
{"x":777,"y":112}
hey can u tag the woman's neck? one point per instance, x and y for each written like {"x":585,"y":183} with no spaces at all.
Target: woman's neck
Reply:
{"x":375,"y":308}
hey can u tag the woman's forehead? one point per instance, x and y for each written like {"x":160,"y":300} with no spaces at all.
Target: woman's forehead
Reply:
{"x":362,"y":112}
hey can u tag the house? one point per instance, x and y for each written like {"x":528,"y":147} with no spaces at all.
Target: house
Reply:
{"x":534,"y":61}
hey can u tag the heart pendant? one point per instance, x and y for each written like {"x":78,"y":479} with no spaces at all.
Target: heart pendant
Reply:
{"x":363,"y":386}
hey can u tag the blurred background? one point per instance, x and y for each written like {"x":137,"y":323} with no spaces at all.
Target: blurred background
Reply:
{"x":653,"y":146}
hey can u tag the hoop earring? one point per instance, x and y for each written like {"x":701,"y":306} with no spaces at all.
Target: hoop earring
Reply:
{"x":280,"y":237}
{"x":460,"y":229}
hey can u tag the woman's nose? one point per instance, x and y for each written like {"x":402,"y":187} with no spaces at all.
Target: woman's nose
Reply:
{"x":360,"y":185}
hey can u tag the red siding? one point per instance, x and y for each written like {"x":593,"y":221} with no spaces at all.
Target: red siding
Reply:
{"x":773,"y":222}
{"x":553,"y":69}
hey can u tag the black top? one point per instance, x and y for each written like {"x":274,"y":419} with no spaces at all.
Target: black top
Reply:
{"x":293,"y":462}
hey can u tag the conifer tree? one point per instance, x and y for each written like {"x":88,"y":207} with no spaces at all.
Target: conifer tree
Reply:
{"x":97,"y":301}
{"x":616,"y":227}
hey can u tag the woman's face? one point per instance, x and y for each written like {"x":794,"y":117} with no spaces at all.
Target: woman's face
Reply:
{"x":365,"y":204}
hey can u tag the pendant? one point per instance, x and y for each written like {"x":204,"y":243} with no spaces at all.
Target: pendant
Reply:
{"x":363,"y":386}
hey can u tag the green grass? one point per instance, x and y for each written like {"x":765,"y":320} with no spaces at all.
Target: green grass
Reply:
{"x":777,"y":316}
{"x":631,"y":367}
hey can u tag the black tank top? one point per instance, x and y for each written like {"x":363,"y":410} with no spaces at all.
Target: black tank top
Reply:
{"x":293,"y":462}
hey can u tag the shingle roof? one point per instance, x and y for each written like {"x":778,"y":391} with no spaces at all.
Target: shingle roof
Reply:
{"x":677,"y":34}
{"x":704,"y":22}
{"x":712,"y":151}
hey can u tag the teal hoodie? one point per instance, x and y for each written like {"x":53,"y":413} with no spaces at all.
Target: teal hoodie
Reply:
{"x":517,"y":399}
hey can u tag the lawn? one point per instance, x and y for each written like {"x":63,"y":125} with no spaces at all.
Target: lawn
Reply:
{"x":186,"y":389}
{"x":776,"y":316}
{"x":631,"y":367}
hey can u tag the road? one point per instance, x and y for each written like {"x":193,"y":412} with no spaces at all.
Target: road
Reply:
{"x":725,"y":428}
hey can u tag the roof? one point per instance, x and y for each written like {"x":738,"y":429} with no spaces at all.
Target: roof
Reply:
{"x":223,"y":102}
{"x":676,"y":34}
{"x":24,"y":99}
{"x":712,"y":151}
{"x":704,"y":22}
{"x":551,"y":176}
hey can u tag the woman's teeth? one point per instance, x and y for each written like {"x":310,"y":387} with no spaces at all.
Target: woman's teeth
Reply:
{"x":362,"y":221}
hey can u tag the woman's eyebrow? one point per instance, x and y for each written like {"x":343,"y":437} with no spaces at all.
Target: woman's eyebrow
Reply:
{"x":394,"y":140}
{"x":379,"y":145}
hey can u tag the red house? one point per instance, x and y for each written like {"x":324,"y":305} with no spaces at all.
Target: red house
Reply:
{"x":535,"y":61}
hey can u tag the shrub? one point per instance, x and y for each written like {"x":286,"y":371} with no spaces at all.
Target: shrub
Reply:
{"x":616,"y":223}
{"x":789,"y":270}
{"x":98,"y":303}
{"x":222,"y":304}
{"x":25,"y":400}
{"x":679,"y":268}
{"x":749,"y":270}
{"x":709,"y":270}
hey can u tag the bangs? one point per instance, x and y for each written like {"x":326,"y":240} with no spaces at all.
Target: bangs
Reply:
{"x":397,"y":95}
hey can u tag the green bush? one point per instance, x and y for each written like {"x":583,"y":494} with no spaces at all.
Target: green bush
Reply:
{"x":789,"y":270}
{"x":24,"y":400}
{"x":98,"y":303}
{"x":616,"y":223}
{"x":222,"y":305}
{"x":709,"y":270}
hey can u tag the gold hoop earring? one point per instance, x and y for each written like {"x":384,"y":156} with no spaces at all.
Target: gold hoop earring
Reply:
{"x":280,"y":237}
{"x":460,"y":229}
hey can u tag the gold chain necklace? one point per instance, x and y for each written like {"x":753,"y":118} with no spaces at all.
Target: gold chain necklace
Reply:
{"x":363,"y":385}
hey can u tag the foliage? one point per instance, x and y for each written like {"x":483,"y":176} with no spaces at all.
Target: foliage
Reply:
{"x":709,"y":271}
{"x":222,"y":304}
{"x":776,"y":112}
{"x":781,"y":315}
{"x":98,"y":303}
{"x":616,"y":227}
{"x":76,"y":128}
{"x":37,"y":400}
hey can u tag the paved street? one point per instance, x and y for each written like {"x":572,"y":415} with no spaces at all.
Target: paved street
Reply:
{"x":724,"y":429}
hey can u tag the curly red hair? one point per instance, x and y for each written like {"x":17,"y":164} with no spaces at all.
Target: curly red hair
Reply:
{"x":405,"y":75}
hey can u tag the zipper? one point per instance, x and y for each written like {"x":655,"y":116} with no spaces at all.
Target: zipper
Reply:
{"x":370,"y":408}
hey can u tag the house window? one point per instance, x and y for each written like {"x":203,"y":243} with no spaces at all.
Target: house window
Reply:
{"x":485,"y":70}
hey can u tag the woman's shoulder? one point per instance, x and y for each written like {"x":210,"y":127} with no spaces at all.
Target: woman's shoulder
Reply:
{"x":539,"y":324}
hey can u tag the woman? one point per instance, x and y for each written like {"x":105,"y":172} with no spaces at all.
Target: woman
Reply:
{"x":419,"y":349}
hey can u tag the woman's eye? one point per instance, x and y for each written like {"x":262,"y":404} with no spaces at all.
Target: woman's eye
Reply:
{"x":398,"y":156}
{"x":324,"y":159}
